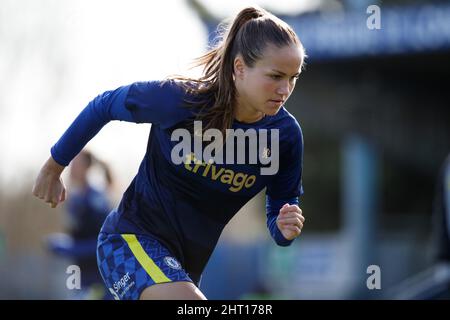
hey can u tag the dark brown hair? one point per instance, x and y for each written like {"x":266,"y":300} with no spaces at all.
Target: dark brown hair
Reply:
{"x":90,"y":160}
{"x":248,"y":35}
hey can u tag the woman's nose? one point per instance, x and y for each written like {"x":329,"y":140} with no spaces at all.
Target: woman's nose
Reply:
{"x":283,"y":89}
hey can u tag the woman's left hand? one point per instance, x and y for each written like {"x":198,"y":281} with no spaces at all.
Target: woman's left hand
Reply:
{"x":290,"y":221}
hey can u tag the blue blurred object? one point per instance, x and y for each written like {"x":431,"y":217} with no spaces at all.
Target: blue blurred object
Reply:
{"x":87,"y":208}
{"x":64,"y":245}
{"x":406,"y":29}
{"x":337,"y":35}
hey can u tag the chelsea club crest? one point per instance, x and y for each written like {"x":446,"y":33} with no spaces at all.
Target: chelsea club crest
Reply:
{"x":172,"y":262}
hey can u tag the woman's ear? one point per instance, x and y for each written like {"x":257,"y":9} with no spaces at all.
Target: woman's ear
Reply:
{"x":238,"y":67}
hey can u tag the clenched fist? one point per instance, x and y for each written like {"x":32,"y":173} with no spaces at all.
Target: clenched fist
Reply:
{"x":49,"y":186}
{"x":290,"y":221}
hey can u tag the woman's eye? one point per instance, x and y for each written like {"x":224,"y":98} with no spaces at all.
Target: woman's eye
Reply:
{"x":275,"y":77}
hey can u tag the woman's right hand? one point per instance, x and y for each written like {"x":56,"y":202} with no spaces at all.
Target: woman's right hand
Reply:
{"x":49,"y":186}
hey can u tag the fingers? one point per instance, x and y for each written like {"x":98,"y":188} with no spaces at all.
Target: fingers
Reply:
{"x":291,"y":221}
{"x":292,"y":215}
{"x":37,"y":192}
{"x":293,"y":228}
{"x":55,"y":202}
{"x":50,"y":199}
{"x":290,"y":208}
{"x":290,"y":232}
{"x":52,"y":202}
{"x":291,"y":211}
{"x":51,"y":191}
{"x":63,"y":195}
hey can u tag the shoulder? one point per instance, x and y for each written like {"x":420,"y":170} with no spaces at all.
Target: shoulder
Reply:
{"x":160,"y":102}
{"x":288,"y":125}
{"x":168,"y":92}
{"x":156,"y":89}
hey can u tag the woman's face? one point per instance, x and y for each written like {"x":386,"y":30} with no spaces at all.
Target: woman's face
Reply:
{"x":265,"y":87}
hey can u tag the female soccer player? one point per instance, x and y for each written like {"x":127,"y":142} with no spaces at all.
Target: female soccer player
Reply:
{"x":156,"y":244}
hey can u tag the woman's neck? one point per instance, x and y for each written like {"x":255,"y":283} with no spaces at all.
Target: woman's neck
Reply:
{"x":247,"y":115}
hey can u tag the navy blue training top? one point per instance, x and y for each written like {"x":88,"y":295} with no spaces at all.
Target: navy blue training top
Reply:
{"x":185,"y":206}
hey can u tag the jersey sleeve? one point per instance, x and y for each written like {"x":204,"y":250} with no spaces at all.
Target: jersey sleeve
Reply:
{"x":153,"y":102}
{"x":157,"y":102}
{"x":287,"y":183}
{"x":286,"y":186}
{"x":102,"y":109}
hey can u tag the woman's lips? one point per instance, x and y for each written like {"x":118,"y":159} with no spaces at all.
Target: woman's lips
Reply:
{"x":276,"y":102}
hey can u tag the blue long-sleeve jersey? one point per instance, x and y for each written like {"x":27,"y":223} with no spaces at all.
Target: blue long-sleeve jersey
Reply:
{"x":185,"y":206}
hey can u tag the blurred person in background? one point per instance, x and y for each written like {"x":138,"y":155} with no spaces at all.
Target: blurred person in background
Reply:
{"x":87,"y":207}
{"x":156,"y":244}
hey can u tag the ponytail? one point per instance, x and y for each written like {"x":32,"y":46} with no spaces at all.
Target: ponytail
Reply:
{"x":93,"y":160}
{"x":106,"y":170}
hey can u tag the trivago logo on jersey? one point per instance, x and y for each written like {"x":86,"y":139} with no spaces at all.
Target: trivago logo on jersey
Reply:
{"x":226,"y":176}
{"x":241,"y":147}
